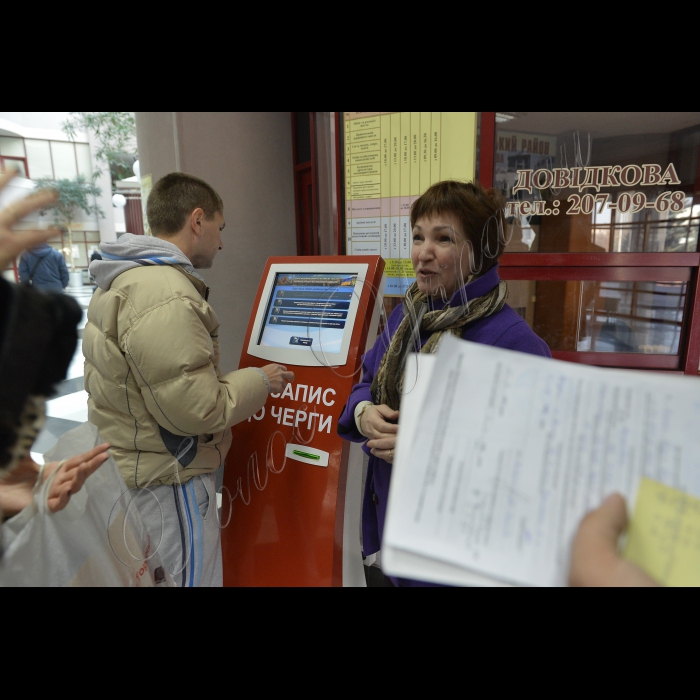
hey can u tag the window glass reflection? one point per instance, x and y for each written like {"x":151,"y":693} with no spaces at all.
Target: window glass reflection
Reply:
{"x":39,"y":158}
{"x":63,"y":156}
{"x":10,"y":146}
{"x":603,"y":316}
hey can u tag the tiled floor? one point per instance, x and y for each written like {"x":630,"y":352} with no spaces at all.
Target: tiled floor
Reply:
{"x":70,"y":407}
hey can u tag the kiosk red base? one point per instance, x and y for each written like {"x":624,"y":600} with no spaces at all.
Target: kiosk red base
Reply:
{"x":291,"y":502}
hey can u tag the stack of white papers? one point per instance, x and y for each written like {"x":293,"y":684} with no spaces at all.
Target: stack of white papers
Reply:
{"x":500,"y":455}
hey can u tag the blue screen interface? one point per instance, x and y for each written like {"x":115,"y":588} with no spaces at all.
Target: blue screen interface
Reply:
{"x":308,"y":309}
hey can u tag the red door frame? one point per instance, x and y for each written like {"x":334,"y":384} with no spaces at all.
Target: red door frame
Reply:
{"x":305,"y":247}
{"x":306,"y":219}
{"x":299,"y":168}
{"x":339,"y":189}
{"x":487,"y":148}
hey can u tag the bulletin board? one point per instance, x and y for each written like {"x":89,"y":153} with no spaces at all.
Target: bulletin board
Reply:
{"x":390,"y":159}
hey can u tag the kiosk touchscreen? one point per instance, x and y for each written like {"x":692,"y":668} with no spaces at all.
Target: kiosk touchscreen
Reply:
{"x":307,"y":313}
{"x":292,"y":497}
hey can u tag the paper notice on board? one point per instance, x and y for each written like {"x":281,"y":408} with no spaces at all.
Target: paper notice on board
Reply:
{"x":511,"y":450}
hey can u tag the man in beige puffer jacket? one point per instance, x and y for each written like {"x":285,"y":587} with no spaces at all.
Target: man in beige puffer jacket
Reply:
{"x":152,"y":373}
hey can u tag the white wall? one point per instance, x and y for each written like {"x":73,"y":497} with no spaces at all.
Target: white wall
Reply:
{"x":37,"y":120}
{"x":37,"y":125}
{"x":119,"y":220}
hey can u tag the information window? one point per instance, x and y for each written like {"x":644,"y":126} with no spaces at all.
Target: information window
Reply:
{"x":602,"y":226}
{"x":599,"y":181}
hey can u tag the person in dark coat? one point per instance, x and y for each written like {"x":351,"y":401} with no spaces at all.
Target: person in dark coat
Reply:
{"x":45,"y":268}
{"x":458,"y":236}
{"x":95,"y":256}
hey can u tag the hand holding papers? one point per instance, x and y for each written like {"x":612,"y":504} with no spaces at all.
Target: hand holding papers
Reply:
{"x":500,"y":455}
{"x":595,"y":553}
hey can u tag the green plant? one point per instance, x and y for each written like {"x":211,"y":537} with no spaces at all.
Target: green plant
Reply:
{"x":73,"y":195}
{"x":115,"y":133}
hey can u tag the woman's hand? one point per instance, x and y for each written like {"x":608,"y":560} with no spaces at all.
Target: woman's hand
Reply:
{"x":72,"y":475}
{"x":278,"y":376}
{"x":16,"y":486}
{"x":381,"y":433}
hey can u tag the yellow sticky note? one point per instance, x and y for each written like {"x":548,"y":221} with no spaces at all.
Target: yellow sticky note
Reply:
{"x":664,"y":534}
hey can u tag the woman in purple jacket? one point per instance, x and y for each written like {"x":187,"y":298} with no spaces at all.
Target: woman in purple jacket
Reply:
{"x":458,"y":236}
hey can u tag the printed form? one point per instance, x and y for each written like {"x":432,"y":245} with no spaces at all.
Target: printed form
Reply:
{"x":501,"y":454}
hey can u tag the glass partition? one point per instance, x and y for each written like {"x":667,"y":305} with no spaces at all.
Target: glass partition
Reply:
{"x":605,"y":316}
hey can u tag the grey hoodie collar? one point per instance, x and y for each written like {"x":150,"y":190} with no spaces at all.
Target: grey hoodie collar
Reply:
{"x":136,"y":251}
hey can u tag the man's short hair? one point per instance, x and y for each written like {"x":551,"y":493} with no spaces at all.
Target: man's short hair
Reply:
{"x":174,"y":197}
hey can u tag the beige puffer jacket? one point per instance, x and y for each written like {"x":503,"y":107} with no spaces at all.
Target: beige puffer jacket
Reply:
{"x":152,"y":375}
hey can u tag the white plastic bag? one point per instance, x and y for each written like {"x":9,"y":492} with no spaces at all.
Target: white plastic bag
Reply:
{"x":98,"y":539}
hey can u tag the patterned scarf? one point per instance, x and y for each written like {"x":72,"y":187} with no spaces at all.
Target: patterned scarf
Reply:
{"x":388,"y":382}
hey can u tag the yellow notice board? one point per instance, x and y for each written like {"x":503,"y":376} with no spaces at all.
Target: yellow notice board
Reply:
{"x":390,"y":159}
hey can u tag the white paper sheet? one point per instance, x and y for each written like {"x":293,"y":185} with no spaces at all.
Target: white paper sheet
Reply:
{"x":397,"y":561}
{"x":500,"y":454}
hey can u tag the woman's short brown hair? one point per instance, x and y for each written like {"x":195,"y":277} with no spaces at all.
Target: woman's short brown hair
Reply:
{"x":174,"y":197}
{"x":479,"y":211}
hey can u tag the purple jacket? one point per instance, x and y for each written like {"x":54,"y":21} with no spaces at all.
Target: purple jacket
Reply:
{"x":506,"y":329}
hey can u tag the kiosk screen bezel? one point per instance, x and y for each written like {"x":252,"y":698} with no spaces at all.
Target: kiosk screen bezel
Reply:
{"x":306,"y":356}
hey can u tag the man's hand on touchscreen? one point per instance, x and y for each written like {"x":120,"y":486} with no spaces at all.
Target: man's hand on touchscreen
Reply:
{"x":279,"y":377}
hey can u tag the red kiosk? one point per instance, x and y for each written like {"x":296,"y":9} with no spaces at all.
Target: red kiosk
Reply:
{"x":292,"y":496}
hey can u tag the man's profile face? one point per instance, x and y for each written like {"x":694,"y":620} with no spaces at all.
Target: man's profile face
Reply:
{"x":210,"y":242}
